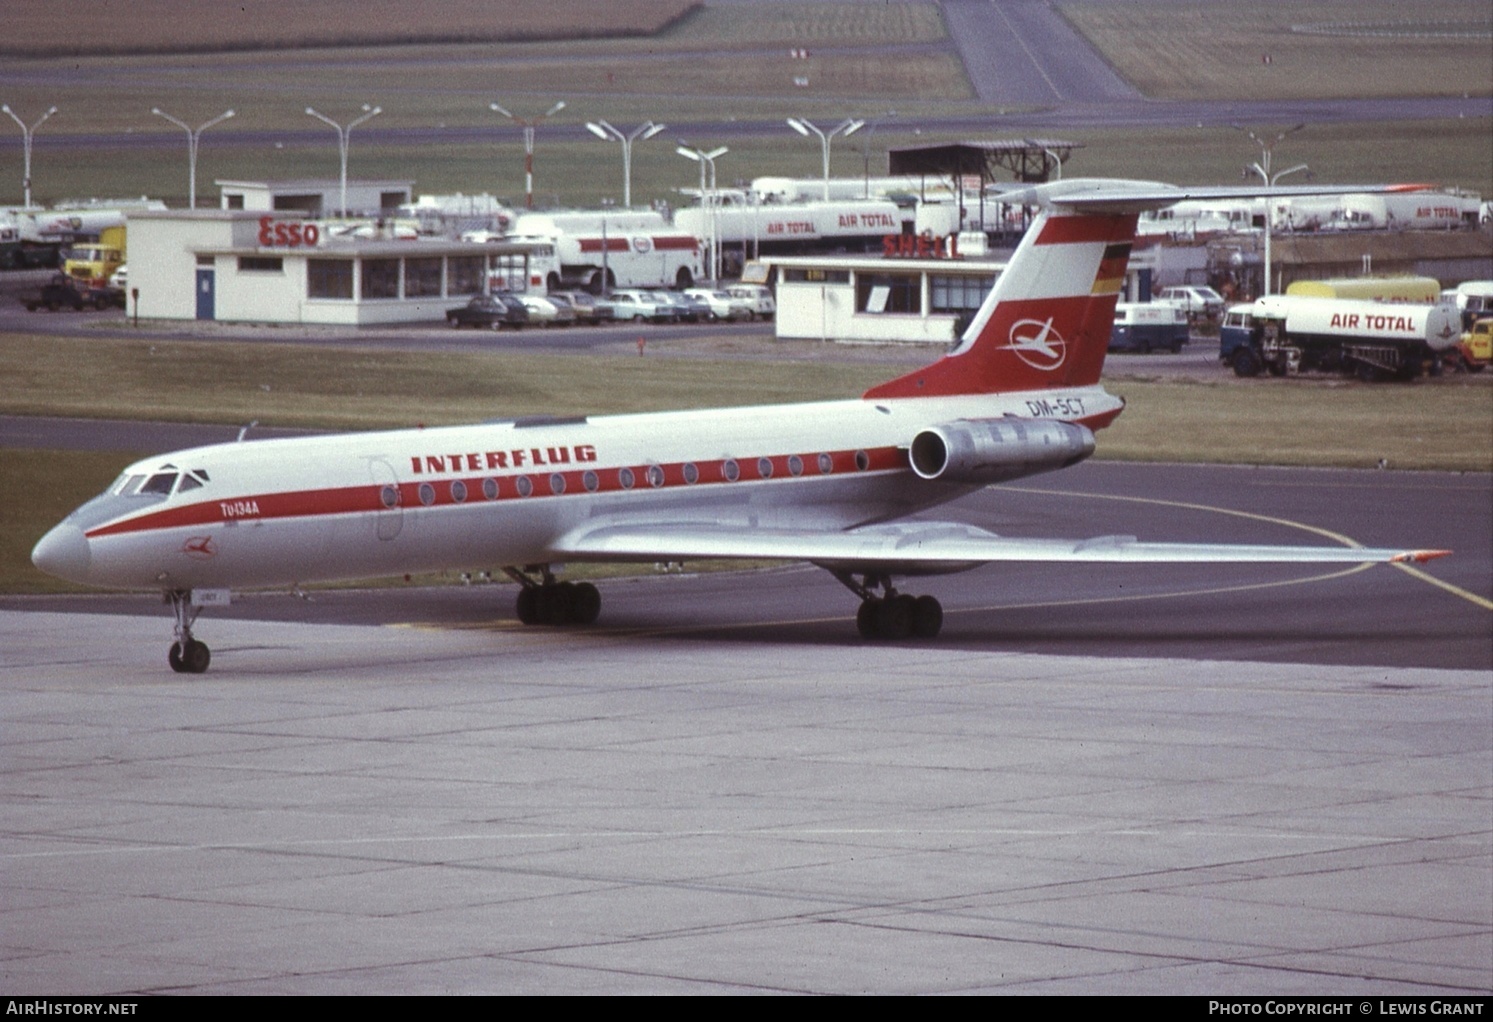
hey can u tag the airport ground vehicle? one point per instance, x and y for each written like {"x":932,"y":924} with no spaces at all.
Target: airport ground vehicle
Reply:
{"x":829,"y":482}
{"x":1475,"y":350}
{"x":1197,"y":302}
{"x":93,"y":264}
{"x":1417,"y":290}
{"x":63,"y":292}
{"x":1149,"y":326}
{"x":1285,"y":334}
{"x":601,"y":251}
{"x":493,"y":311}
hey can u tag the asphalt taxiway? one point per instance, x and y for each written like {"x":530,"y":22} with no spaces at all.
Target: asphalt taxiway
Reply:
{"x":1252,"y":780}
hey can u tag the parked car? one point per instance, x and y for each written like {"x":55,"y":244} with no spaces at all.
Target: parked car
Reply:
{"x":548,"y":313}
{"x":638,"y":306}
{"x":696,"y":309}
{"x":669,"y":306}
{"x":758,"y":298}
{"x":588,"y":308}
{"x":494,"y":311}
{"x":721,"y":304}
{"x":1197,"y":302}
{"x":120,"y":277}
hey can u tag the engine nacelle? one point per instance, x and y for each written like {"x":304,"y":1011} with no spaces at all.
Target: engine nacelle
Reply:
{"x":983,"y":451}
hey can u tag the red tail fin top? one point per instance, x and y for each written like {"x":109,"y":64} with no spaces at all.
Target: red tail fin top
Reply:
{"x":1047,"y":321}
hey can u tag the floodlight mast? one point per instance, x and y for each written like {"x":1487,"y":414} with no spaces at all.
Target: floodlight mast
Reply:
{"x":193,"y":134}
{"x":26,"y":133}
{"x":342,"y":133}
{"x":1261,"y":168}
{"x":708,"y":199}
{"x":604,"y":131}
{"x":528,"y":124}
{"x":845,"y":128}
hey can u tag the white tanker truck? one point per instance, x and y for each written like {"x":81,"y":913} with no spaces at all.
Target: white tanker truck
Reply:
{"x":1373,"y":340}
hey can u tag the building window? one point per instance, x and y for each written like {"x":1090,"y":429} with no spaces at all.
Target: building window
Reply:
{"x":958,"y":294}
{"x":329,"y":278}
{"x":422,"y":278}
{"x":814,"y":275}
{"x":380,"y":278}
{"x":888,"y":292}
{"x":466,"y":275}
{"x":261,"y":264}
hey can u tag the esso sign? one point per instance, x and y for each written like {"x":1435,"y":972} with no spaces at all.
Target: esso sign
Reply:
{"x":286,"y":233}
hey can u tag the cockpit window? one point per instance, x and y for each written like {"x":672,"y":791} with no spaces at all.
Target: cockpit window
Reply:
{"x":188,"y":482}
{"x":130,"y":484}
{"x":160,"y":483}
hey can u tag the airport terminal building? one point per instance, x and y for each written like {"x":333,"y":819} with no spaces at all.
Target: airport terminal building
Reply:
{"x":252,"y":266}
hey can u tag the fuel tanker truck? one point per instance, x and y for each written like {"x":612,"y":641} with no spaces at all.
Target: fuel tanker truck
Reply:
{"x":1284,"y":334}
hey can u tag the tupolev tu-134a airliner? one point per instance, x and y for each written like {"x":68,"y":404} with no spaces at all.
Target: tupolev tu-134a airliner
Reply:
{"x":822,"y":482}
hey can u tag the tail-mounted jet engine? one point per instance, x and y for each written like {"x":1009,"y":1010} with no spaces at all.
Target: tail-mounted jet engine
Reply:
{"x":984,"y":451}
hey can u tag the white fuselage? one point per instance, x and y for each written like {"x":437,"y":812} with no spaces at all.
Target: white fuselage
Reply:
{"x":363,"y":505}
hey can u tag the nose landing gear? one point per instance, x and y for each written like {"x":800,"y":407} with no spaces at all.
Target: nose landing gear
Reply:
{"x":187,"y":655}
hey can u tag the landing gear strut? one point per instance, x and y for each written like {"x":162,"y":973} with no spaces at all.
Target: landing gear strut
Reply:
{"x":543,"y":601}
{"x":892,"y":615}
{"x":187,"y":655}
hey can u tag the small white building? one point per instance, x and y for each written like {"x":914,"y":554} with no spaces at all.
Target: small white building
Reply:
{"x":316,"y":196}
{"x":264,"y":267}
{"x":865,"y":298}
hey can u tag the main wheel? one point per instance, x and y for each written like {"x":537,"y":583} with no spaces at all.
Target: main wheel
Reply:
{"x":585,"y":603}
{"x":927,"y":617}
{"x":527,"y":606}
{"x":894,"y":618}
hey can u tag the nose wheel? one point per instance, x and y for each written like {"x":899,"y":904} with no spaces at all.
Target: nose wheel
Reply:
{"x":187,"y":655}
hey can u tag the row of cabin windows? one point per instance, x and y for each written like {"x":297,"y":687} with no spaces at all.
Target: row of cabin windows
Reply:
{"x":626,"y":478}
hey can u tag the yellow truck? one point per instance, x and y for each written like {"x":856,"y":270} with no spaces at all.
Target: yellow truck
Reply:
{"x":92,"y":264}
{"x":1475,"y":350}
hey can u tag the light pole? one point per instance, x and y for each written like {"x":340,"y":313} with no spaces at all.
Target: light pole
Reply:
{"x":342,"y":133}
{"x":528,"y":124}
{"x":604,"y":131}
{"x":705,"y":159}
{"x":26,"y":145}
{"x":847,"y":127}
{"x":1262,"y":168}
{"x":193,"y":134}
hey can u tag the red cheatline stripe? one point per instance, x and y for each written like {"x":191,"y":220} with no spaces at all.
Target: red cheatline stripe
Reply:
{"x":363,"y":499}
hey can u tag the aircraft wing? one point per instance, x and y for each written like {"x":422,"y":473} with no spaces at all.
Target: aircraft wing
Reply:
{"x":910,"y":548}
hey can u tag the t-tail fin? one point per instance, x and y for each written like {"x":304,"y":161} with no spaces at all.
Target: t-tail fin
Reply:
{"x":1047,"y":321}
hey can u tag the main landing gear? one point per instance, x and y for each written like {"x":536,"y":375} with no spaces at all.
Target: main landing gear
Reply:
{"x":892,"y":615}
{"x":187,"y":655}
{"x":543,"y":601}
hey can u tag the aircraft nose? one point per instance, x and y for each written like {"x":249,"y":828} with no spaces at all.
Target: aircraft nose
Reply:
{"x":63,"y":552}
